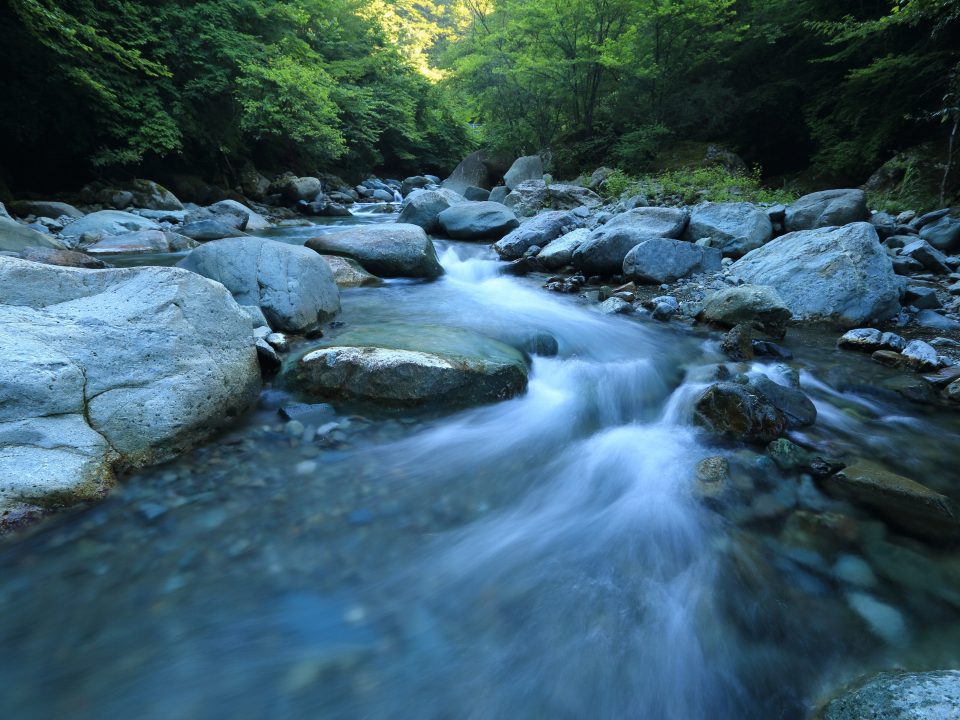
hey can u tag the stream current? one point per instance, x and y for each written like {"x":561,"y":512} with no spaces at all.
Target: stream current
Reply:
{"x":543,"y":557}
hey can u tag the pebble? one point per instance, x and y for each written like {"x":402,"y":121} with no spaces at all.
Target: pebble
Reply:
{"x":307,"y":467}
{"x":854,"y":570}
{"x":884,"y":621}
{"x":294,"y":429}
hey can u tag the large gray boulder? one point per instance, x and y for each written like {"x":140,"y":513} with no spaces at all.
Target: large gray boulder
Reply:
{"x":900,"y":696}
{"x":471,"y":172}
{"x":734,"y":228}
{"x":605,"y":249}
{"x":477,"y":221}
{"x":423,"y":207}
{"x":211,"y":229}
{"x":754,"y":304}
{"x":943,"y":234}
{"x":15,"y":237}
{"x":254,"y":220}
{"x":826,"y":209}
{"x":44,"y":208}
{"x":142,"y":241}
{"x":530,"y":197}
{"x":841,"y":275}
{"x":411,"y":365}
{"x":664,"y":222}
{"x":292,"y":285}
{"x":529,"y":167}
{"x":661,"y":260}
{"x":540,"y":230}
{"x":109,"y":370}
{"x":295,"y":189}
{"x":387,"y":250}
{"x":150,"y":195}
{"x":559,"y":252}
{"x":108,"y":222}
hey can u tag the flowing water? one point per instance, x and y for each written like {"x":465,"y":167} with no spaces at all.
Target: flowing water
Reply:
{"x":543,"y":557}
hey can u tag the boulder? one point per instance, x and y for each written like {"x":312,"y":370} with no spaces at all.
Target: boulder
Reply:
{"x":349,"y":273}
{"x":423,"y":207}
{"x":108,"y":222}
{"x":476,"y":194}
{"x":386,"y":250}
{"x":15,"y":237}
{"x":254,"y":185}
{"x":417,"y":182}
{"x":254,"y":220}
{"x":209,"y":229}
{"x":739,"y":412}
{"x":142,"y":241}
{"x":797,"y":408}
{"x":758,"y":305}
{"x":410,"y":366}
{"x":113,"y":369}
{"x":44,"y":208}
{"x":838,"y":274}
{"x":661,"y":260}
{"x":900,"y":696}
{"x":530,"y":197}
{"x":901,"y":501}
{"x":559,"y":252}
{"x":540,"y":230}
{"x":150,"y":195}
{"x":605,"y":249}
{"x":734,"y":228}
{"x":529,"y":167}
{"x":943,"y":234}
{"x":658,"y":221}
{"x":292,"y":285}
{"x":928,"y":256}
{"x":477,"y":221}
{"x":499,"y":194}
{"x":826,"y":209}
{"x":63,"y":258}
{"x":472,"y":171}
{"x":294,"y":189}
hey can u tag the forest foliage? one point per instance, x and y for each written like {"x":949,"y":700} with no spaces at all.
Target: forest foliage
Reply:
{"x":411,"y":85}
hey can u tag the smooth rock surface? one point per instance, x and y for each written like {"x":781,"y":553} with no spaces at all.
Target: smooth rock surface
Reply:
{"x":108,"y":222}
{"x":758,"y":304}
{"x":348,"y":273}
{"x":559,"y":252}
{"x":661,"y":260}
{"x":734,"y":228}
{"x":900,"y":696}
{"x":386,"y":250}
{"x":529,"y":167}
{"x":540,"y":230}
{"x":826,"y":209}
{"x":658,"y":221}
{"x":477,"y":221}
{"x":142,"y":241}
{"x":423,"y":207}
{"x":15,"y":237}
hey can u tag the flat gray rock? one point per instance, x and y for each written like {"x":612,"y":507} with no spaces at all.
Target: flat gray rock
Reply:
{"x":661,"y":260}
{"x":108,"y":222}
{"x":826,"y":209}
{"x":477,"y":221}
{"x":386,"y":250}
{"x":734,"y":228}
{"x":900,"y":696}
{"x":15,"y":237}
{"x":539,"y":230}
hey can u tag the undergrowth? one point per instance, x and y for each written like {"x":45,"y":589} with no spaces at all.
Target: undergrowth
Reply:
{"x":689,"y":186}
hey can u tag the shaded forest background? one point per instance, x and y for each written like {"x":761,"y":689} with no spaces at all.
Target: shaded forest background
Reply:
{"x":826,"y":89}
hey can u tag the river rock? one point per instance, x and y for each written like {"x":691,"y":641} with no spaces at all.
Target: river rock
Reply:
{"x":211,"y":229}
{"x":142,"y":241}
{"x":15,"y":237}
{"x":540,"y":230}
{"x":656,"y":221}
{"x":477,"y":221}
{"x":759,"y":305}
{"x":529,"y":167}
{"x":943,"y":234}
{"x":108,"y":222}
{"x":499,"y":193}
{"x":927,"y":255}
{"x":661,"y":260}
{"x":797,"y":408}
{"x":44,"y":208}
{"x":417,"y":182}
{"x":423,"y":207}
{"x":291,"y":284}
{"x":472,"y":171}
{"x":827,"y":208}
{"x":295,"y":189}
{"x":866,"y":339}
{"x":734,"y":228}
{"x":559,"y":252}
{"x":921,"y":355}
{"x":254,"y":220}
{"x":739,"y":412}
{"x":605,"y":249}
{"x":113,"y":369}
{"x":838,"y":274}
{"x":900,"y":696}
{"x":349,"y":273}
{"x":903,"y":502}
{"x":410,"y":366}
{"x":150,"y":195}
{"x":386,"y":250}
{"x":62,"y":258}
{"x":475,"y":194}
{"x":530,"y":197}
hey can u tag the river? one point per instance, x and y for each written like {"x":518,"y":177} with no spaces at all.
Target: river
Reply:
{"x":543,"y":557}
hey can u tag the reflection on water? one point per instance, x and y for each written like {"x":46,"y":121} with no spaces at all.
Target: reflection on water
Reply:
{"x":547,"y":556}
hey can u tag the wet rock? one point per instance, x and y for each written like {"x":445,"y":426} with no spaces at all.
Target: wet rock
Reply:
{"x":270,"y":361}
{"x":349,"y":273}
{"x":888,"y":358}
{"x":854,"y":570}
{"x":866,"y":339}
{"x":943,"y":377}
{"x":530,"y":197}
{"x":293,"y":285}
{"x":734,"y":228}
{"x":423,"y":207}
{"x":921,"y":356}
{"x":417,"y":365}
{"x":755,"y":304}
{"x":737,"y":344}
{"x":883,"y":620}
{"x":314,"y":413}
{"x":386,"y":250}
{"x":477,"y":221}
{"x":903,"y":502}
{"x":615,"y":306}
{"x":798,"y":410}
{"x":825,"y":209}
{"x":739,"y":412}
{"x":114,"y":369}
{"x":664,"y":222}
{"x":63,"y":258}
{"x":787,"y":455}
{"x":660,"y":260}
{"x":108,"y":222}
{"x":900,"y":696}
{"x":540,"y":230}
{"x":712,"y":478}
{"x":838,"y":274}
{"x":142,"y":241}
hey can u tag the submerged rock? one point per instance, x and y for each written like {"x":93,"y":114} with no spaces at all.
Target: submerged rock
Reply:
{"x":740,"y":412}
{"x":386,"y":250}
{"x":900,"y":696}
{"x":113,"y":369}
{"x":410,"y":366}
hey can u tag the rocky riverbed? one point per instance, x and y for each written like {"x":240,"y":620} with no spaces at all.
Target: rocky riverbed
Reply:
{"x":383,"y":450}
